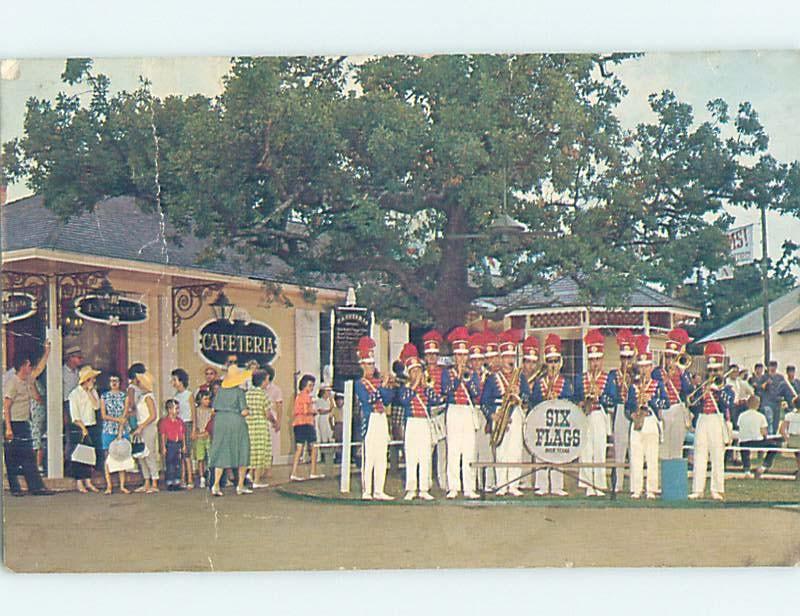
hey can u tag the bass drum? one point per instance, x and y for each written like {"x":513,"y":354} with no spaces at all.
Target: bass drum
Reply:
{"x":554,"y":431}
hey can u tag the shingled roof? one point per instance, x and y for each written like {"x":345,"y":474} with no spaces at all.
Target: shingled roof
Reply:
{"x":565,"y":292}
{"x":751,"y":323}
{"x":118,"y":228}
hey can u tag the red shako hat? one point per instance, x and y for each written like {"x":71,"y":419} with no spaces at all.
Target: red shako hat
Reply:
{"x":595,"y":344}
{"x":459,"y":340}
{"x":432,"y":342}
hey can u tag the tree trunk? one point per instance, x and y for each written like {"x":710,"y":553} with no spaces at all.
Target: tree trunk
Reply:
{"x":454,"y":295}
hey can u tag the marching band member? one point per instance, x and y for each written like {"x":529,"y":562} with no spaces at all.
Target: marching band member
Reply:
{"x":677,"y":383}
{"x":483,"y":449}
{"x":497,"y":385}
{"x":373,"y":397}
{"x":594,"y":392}
{"x":531,"y":371}
{"x":491,"y":353}
{"x":551,"y":387}
{"x":440,"y":381}
{"x":462,"y":423}
{"x":646,"y":399}
{"x":416,"y":398}
{"x":711,"y":434}
{"x":622,"y":379}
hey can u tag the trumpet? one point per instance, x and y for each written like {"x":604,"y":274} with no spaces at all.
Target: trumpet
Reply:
{"x":683,"y":361}
{"x":716,"y":381}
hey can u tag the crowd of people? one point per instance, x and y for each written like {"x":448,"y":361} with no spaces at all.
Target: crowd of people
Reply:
{"x":222,"y":431}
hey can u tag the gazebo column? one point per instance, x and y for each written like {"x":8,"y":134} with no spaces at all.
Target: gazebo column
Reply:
{"x":55,"y":411}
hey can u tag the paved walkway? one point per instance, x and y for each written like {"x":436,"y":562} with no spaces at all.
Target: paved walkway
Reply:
{"x":191,"y":531}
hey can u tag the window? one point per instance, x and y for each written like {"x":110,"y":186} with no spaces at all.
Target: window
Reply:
{"x":572,"y":352}
{"x":324,"y":342}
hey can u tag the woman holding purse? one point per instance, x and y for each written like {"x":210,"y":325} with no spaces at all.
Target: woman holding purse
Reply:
{"x":84,"y":403}
{"x":147,"y":432}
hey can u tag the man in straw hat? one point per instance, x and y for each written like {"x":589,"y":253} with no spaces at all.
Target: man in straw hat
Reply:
{"x":416,"y":398}
{"x":594,"y":392}
{"x":373,"y":395}
{"x":462,"y":423}
{"x":711,"y":434}
{"x":646,"y":400}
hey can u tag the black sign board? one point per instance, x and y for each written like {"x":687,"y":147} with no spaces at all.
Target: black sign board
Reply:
{"x":350,"y":323}
{"x":122,"y":312}
{"x":253,"y":340}
{"x":18,"y":306}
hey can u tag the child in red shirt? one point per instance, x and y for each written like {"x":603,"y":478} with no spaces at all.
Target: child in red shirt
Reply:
{"x":173,"y":444}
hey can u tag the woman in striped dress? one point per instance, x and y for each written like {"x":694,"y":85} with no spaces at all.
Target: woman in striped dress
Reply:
{"x":260,"y":407}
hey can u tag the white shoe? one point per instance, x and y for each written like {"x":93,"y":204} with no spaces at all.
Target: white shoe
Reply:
{"x":515,"y":492}
{"x":317,"y":476}
{"x":694,"y":496}
{"x":717,"y":496}
{"x":452,"y":494}
{"x":409,"y":496}
{"x":560,"y":493}
{"x":651,"y":496}
{"x":366,"y":496}
{"x":241,"y":491}
{"x":599,"y":493}
{"x":590,"y":492}
{"x":382,"y":496}
{"x":636,"y":496}
{"x":426,"y":496}
{"x":471,"y":495}
{"x":540,"y":492}
{"x":258,"y":486}
{"x":202,"y":482}
{"x":502,"y":492}
{"x":297,"y":478}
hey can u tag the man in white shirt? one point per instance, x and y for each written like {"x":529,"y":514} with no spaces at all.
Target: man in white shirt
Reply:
{"x":742,"y":391}
{"x":753,"y":428}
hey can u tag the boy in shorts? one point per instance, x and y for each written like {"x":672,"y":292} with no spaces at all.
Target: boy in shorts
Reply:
{"x":201,"y":439}
{"x":303,"y":426}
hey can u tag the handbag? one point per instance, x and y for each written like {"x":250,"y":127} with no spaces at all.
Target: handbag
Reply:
{"x":138,"y":448}
{"x":84,"y":454}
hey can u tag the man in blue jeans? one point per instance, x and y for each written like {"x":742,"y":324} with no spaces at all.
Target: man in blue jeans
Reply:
{"x":772,"y":389}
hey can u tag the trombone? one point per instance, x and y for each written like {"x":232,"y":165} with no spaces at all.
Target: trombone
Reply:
{"x":717,"y":381}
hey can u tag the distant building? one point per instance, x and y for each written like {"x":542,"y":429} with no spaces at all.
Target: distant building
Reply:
{"x":744,"y":341}
{"x":559,"y":308}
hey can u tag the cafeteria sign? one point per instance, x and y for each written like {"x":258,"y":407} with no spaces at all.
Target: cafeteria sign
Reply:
{"x":252,"y":340}
{"x":555,"y":430}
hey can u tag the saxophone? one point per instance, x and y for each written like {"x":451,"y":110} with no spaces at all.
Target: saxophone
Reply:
{"x":510,"y":400}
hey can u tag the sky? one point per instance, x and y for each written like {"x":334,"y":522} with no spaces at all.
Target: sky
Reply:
{"x":766,"y":79}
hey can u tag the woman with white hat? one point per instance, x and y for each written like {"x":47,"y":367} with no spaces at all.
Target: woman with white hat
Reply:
{"x":147,"y":431}
{"x":83,"y":405}
{"x":230,"y":446}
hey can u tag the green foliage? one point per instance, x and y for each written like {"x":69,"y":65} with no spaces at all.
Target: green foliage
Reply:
{"x":393,"y":171}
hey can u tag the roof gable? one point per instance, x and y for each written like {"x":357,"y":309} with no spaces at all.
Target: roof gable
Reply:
{"x":751,"y":322}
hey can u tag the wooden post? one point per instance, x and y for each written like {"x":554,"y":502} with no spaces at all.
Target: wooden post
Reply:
{"x":55,"y":385}
{"x":765,"y":284}
{"x":347,"y":440}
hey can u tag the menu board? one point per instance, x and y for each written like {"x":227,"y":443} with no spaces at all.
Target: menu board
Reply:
{"x":350,"y":323}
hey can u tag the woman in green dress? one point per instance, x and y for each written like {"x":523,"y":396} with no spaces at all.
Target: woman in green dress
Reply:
{"x":230,"y":446}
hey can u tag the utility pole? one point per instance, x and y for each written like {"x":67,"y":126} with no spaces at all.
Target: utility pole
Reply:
{"x":765,"y":283}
